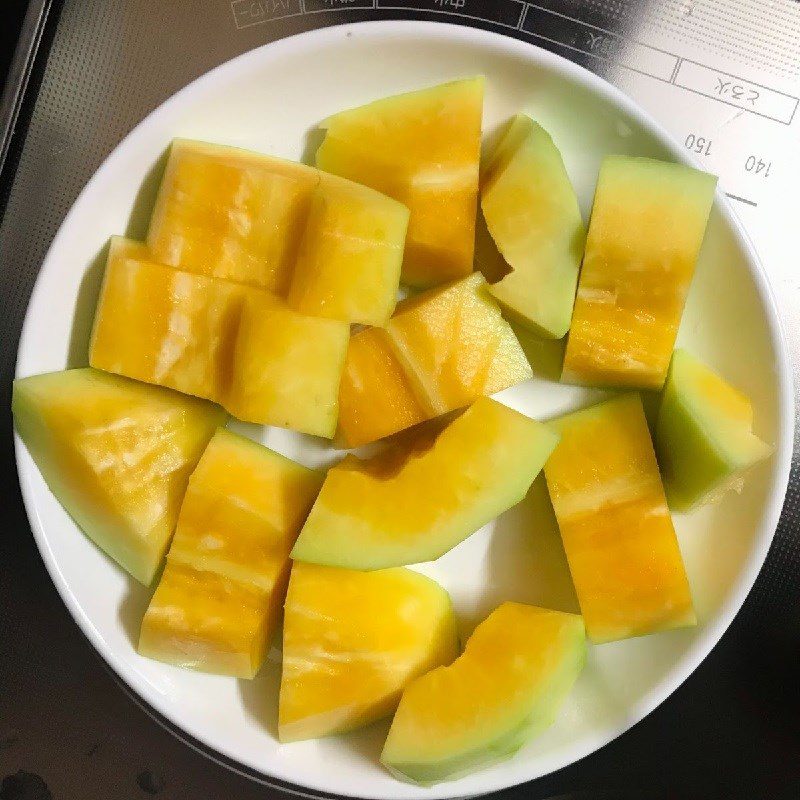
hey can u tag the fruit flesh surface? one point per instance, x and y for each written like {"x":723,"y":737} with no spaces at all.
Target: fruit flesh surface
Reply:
{"x":508,"y":685}
{"x":117,"y":454}
{"x":422,"y":149}
{"x":532,"y":213}
{"x":228,"y":213}
{"x":333,"y":246}
{"x":218,"y":600}
{"x":375,"y":397}
{"x":617,"y":531}
{"x":352,"y":641}
{"x":348,"y":264}
{"x":208,"y":622}
{"x":441,"y":350}
{"x":241,"y":347}
{"x":704,"y":438}
{"x":287,"y":367}
{"x":455,"y":345}
{"x":416,"y":501}
{"x":647,"y":225}
{"x":179,"y":328}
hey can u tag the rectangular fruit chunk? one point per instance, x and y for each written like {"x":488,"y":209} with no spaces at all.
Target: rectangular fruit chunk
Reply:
{"x":117,"y":454}
{"x":423,"y":149}
{"x":516,"y":670}
{"x":532,"y":213}
{"x":348,"y":264}
{"x":231,"y":214}
{"x":647,"y":225}
{"x":208,"y":622}
{"x":704,"y":436}
{"x":218,"y":600}
{"x":287,"y":367}
{"x":419,"y":499}
{"x":352,"y":641}
{"x":238,"y":346}
{"x":164,"y":326}
{"x":375,"y":396}
{"x":617,"y":531}
{"x":244,"y":507}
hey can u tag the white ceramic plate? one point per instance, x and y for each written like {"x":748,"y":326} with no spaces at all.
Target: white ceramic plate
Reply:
{"x":269,"y":100}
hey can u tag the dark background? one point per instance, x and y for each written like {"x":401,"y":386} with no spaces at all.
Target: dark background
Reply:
{"x":68,"y":730}
{"x":10,"y":22}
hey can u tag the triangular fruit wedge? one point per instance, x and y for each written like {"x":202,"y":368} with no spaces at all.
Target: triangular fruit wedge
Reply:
{"x":440,"y":351}
{"x":417,"y":500}
{"x":376,"y":397}
{"x":455,"y":345}
{"x":704,"y":436}
{"x":532,"y":213}
{"x":351,"y":643}
{"x":423,"y":149}
{"x":117,"y":454}
{"x":648,"y":222}
{"x":515,"y":672}
{"x":217,"y":603}
{"x":617,"y":530}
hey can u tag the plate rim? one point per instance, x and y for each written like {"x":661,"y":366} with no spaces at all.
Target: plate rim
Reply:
{"x":712,"y":631}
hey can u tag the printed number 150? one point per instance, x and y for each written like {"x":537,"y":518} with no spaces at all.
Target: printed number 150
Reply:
{"x":698,"y":144}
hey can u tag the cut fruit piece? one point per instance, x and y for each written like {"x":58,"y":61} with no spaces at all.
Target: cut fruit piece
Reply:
{"x":243,"y":509}
{"x":375,"y":396}
{"x":423,"y":149}
{"x":117,"y":454}
{"x":218,"y":600}
{"x":647,"y":225}
{"x":704,"y":436}
{"x":348,"y":266}
{"x":208,"y":622}
{"x":416,"y":501}
{"x":163,"y":326}
{"x":231,"y":214}
{"x":617,"y":531}
{"x":441,"y":351}
{"x":517,"y":668}
{"x":287,"y":367}
{"x":242,"y":347}
{"x":351,"y":643}
{"x":455,"y":345}
{"x":532,"y":213}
